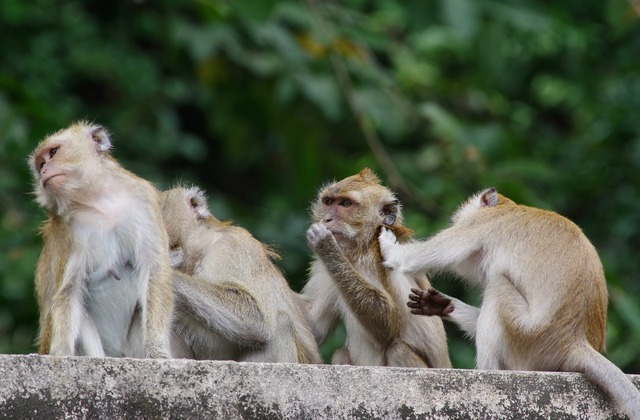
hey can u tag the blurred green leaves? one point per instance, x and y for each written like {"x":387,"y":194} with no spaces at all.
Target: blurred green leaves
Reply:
{"x":262,"y":102}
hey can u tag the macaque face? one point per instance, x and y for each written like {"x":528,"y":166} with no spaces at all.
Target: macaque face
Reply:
{"x":353,"y":209}
{"x":63,"y":163}
{"x":339,"y":214}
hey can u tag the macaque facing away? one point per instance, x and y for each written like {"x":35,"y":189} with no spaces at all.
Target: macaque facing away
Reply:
{"x":232,"y":302}
{"x":349,"y":283}
{"x":103,"y":279}
{"x":544,"y":301}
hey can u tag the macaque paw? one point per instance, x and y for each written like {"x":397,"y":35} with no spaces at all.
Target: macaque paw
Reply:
{"x":176,"y":257}
{"x":388,"y":247}
{"x":430,"y":302}
{"x":316,"y":233}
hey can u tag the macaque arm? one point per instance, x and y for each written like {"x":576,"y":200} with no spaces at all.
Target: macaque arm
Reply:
{"x":441,"y":252}
{"x":226,"y":308}
{"x":318,"y":303}
{"x":434,"y":302}
{"x":48,"y":274}
{"x":373,"y":307}
{"x":66,"y":313}
{"x":159,"y":299}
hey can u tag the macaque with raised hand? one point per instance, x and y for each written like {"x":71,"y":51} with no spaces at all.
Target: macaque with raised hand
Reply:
{"x":348,"y":282}
{"x":103,"y":279}
{"x":544,"y":303}
{"x":232,"y":302}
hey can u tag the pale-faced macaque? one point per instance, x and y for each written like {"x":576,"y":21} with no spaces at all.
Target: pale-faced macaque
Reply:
{"x":348,"y":282}
{"x":232,"y":302}
{"x":544,"y":303}
{"x":103,"y":279}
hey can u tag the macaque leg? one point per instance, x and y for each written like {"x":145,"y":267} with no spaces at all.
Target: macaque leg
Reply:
{"x":434,"y":302}
{"x":90,"y":341}
{"x":490,"y":340}
{"x":66,"y":314}
{"x":341,"y":357}
{"x":516,"y":310}
{"x":400,"y":354}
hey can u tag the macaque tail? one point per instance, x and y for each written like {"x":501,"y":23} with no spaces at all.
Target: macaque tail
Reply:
{"x":608,"y":377}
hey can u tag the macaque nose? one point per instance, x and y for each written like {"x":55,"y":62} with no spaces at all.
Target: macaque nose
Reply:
{"x":327,"y":219}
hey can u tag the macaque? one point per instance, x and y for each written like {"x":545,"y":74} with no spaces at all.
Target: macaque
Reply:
{"x":544,"y":301}
{"x":103,"y":279}
{"x":348,"y":282}
{"x":232,"y":302}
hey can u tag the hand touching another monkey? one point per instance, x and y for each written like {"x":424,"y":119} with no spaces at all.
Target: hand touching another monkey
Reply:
{"x":544,"y":301}
{"x":103,"y":279}
{"x":232,"y":302}
{"x":348,"y":282}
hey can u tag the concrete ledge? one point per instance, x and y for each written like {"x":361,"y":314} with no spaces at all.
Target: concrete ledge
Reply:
{"x":42,"y":387}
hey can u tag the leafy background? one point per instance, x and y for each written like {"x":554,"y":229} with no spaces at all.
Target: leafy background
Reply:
{"x":261,"y":102}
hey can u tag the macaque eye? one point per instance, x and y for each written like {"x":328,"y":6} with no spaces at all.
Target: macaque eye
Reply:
{"x":328,"y":201}
{"x":346,"y":202}
{"x":53,"y":151}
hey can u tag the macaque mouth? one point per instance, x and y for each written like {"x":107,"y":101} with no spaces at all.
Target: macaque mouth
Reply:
{"x":46,"y":180}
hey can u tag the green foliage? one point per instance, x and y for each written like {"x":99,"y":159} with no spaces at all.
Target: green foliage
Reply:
{"x":261,"y":102}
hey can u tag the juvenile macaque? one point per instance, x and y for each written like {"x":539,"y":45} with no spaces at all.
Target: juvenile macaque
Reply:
{"x":232,"y":302}
{"x":103,"y":279}
{"x":544,"y":301}
{"x":349,"y":283}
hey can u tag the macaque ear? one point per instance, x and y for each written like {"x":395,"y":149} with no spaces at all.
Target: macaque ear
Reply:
{"x":101,"y":138}
{"x":390,"y":212}
{"x":197,"y":201}
{"x":489,"y":198}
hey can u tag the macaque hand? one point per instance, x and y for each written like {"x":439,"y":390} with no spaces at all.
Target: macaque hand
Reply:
{"x":431,"y":302}
{"x":389,"y":248}
{"x":317,"y":233}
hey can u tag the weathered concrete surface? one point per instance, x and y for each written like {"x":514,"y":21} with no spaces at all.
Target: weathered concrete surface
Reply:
{"x":36,"y":387}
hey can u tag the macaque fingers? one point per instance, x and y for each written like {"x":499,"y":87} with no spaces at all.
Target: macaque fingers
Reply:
{"x":430,"y":303}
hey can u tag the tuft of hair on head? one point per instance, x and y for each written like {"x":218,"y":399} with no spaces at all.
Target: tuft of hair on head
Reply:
{"x":369,"y":176}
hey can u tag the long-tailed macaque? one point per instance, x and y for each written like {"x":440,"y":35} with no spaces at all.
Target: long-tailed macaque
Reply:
{"x":232,"y":302}
{"x":349,"y":283}
{"x":544,"y":301}
{"x":103,"y":279}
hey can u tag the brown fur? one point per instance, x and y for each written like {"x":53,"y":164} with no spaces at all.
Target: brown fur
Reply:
{"x":348,"y":281}
{"x":232,"y":301}
{"x":78,"y":182}
{"x":544,"y":292}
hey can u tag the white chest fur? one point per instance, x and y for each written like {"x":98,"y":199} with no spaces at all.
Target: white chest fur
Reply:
{"x":107,"y":243}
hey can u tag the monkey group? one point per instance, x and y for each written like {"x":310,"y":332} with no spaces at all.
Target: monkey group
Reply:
{"x":127,"y":270}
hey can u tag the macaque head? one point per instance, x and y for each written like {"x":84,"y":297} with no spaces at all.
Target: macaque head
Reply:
{"x":183,"y":210}
{"x":355,"y":209}
{"x":484,"y":199}
{"x":66,"y":164}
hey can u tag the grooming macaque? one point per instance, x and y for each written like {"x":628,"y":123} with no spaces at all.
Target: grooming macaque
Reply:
{"x":544,"y":301}
{"x":232,"y":302}
{"x":103,"y":279}
{"x":349,"y":283}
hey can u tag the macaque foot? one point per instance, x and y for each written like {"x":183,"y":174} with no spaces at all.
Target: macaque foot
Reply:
{"x":431,"y":302}
{"x":316,"y":233}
